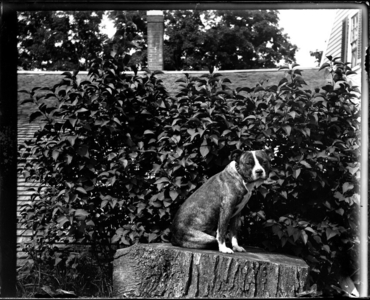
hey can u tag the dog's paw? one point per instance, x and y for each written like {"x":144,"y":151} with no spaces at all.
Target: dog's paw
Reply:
{"x":238,"y":249}
{"x":225,"y":250}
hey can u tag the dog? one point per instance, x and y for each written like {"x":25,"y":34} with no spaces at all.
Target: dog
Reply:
{"x":203,"y":219}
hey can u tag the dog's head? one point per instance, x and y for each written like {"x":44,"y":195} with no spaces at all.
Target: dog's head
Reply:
{"x":253,"y":165}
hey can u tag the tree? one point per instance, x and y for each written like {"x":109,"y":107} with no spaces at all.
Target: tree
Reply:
{"x":318,"y":55}
{"x":129,"y":44}
{"x":228,"y":39}
{"x":55,"y":40}
{"x":186,"y":32}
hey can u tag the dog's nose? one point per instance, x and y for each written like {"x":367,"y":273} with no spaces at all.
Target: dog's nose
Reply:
{"x":259,"y":172}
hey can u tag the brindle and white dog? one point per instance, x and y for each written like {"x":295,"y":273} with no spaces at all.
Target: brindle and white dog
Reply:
{"x":204,"y":218}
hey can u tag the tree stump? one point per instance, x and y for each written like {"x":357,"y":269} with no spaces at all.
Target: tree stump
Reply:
{"x":163,"y":270}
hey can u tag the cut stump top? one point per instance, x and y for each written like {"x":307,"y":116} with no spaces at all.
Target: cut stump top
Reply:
{"x":163,"y":270}
{"x":251,"y":254}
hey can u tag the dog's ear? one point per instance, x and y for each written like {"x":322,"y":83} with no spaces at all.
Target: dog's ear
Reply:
{"x":235,"y":155}
{"x":268,"y":151}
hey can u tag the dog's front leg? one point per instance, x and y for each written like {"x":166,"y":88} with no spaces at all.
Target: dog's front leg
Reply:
{"x":223,"y":222}
{"x":234,"y":226}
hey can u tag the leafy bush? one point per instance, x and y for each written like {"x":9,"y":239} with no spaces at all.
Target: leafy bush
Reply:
{"x":79,"y":274}
{"x":116,"y":156}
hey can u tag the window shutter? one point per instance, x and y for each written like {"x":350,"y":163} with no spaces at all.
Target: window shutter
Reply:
{"x":344,"y":49}
{"x":359,"y":38}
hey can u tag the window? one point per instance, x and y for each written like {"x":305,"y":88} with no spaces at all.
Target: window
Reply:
{"x":354,"y":39}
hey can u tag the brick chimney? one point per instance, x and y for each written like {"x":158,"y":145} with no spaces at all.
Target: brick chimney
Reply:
{"x":155,"y":39}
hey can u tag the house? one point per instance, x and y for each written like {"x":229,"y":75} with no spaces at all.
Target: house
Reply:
{"x":346,"y":41}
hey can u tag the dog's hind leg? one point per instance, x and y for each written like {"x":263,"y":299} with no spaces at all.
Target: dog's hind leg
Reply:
{"x":197,"y":240}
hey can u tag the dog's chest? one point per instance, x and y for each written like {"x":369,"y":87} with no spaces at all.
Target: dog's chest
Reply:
{"x":242,"y":203}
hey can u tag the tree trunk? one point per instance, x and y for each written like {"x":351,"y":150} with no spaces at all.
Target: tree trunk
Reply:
{"x":163,"y":270}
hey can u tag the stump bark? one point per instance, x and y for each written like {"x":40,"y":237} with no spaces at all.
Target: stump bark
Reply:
{"x":163,"y":270}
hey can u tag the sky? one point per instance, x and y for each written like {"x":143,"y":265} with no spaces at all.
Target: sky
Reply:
{"x":309,"y":29}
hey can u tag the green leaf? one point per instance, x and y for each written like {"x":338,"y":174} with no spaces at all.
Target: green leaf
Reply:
{"x":326,"y":248}
{"x":225,"y":132}
{"x":30,"y":100}
{"x":111,"y":156}
{"x":81,"y":214}
{"x":204,"y":150}
{"x":67,"y":74}
{"x":310,"y":229}
{"x":117,"y":121}
{"x":284,"y":194}
{"x":296,"y":173}
{"x":151,"y":237}
{"x":161,"y":180}
{"x":258,"y":89}
{"x":62,"y":220}
{"x":340,"y":84}
{"x":304,"y":236}
{"x":81,"y":110}
{"x":282,"y":81}
{"x":354,"y":198}
{"x":292,"y":113}
{"x":330,"y":233}
{"x":72,"y":121}
{"x":192,"y":133}
{"x":300,"y":80}
{"x":325,"y":65}
{"x":340,"y":211}
{"x":55,"y":154}
{"x":347,"y":186}
{"x":56,"y":262}
{"x":290,"y":230}
{"x":167,"y":203}
{"x":296,"y":235}
{"x":287,"y":129}
{"x":72,"y":139}
{"x":306,"y":164}
{"x":245,"y":89}
{"x":247,"y":118}
{"x":157,"y":204}
{"x":35,"y":115}
{"x":148,"y":132}
{"x":339,"y":196}
{"x":353,"y":170}
{"x":115,"y":238}
{"x":24,"y":91}
{"x":81,"y":190}
{"x":173,"y":195}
